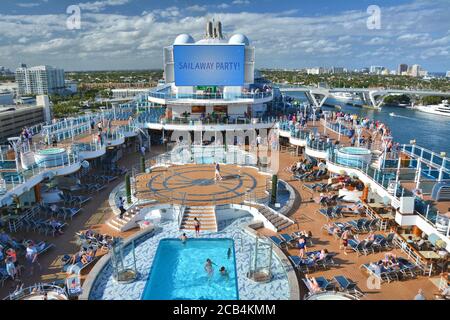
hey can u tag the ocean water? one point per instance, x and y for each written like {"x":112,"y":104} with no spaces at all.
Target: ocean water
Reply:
{"x":429,"y":131}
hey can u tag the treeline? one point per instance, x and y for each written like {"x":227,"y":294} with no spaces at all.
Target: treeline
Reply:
{"x":356,"y":80}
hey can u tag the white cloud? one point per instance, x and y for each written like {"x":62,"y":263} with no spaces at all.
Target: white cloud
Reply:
{"x":281,"y":38}
{"x":97,"y":6}
{"x":197,"y":8}
{"x":241,"y":2}
{"x":223,"y":6}
{"x":28,"y":4}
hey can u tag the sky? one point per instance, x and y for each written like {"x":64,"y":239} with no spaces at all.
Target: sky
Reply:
{"x":131,"y":34}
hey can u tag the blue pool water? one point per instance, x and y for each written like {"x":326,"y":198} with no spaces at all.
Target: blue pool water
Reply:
{"x":178,"y":271}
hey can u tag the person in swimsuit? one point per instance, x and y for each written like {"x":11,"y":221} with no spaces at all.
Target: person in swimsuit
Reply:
{"x":197,"y":226}
{"x":344,"y":238}
{"x":217,"y":172}
{"x":209,"y":268}
{"x":301,"y":247}
{"x":183,"y":238}
{"x":224,"y":273}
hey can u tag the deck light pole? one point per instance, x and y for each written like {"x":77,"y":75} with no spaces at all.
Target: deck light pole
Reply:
{"x":339,"y":120}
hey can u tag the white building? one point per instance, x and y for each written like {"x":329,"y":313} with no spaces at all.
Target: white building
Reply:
{"x":447,"y":74}
{"x":39,"y":80}
{"x":316,"y":70}
{"x":417,"y":71}
{"x":376,"y":69}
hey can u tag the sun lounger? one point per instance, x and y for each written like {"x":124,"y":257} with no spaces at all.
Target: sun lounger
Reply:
{"x":303,"y":265}
{"x":346,"y":285}
{"x":278,"y":242}
{"x":3,"y":276}
{"x":287,"y":238}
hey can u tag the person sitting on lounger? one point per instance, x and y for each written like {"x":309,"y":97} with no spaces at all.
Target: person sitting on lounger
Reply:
{"x":88,"y":256}
{"x":56,"y":225}
{"x":313,"y":285}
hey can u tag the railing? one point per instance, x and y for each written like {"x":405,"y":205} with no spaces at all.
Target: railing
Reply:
{"x":318,"y":145}
{"x":19,"y":177}
{"x":428,"y":156}
{"x":39,"y":289}
{"x":211,"y":96}
{"x":385,"y":179}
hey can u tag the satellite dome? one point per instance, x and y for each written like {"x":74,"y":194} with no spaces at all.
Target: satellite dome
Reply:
{"x":183,"y":39}
{"x":239,"y":39}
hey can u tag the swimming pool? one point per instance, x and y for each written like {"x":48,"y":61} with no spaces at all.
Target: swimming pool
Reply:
{"x":353,"y":156}
{"x":51,"y":157}
{"x":178,"y":271}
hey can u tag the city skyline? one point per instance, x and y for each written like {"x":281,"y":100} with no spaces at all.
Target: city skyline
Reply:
{"x":129,"y":34}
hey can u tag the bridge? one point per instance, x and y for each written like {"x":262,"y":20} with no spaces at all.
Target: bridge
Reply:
{"x":373,"y":97}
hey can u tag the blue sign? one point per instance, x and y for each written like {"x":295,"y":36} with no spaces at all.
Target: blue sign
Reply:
{"x":209,"y":65}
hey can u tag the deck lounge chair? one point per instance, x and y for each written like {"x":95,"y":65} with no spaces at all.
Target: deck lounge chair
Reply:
{"x":324,"y":284}
{"x":358,"y":247}
{"x":288,"y":239}
{"x":73,"y":285}
{"x":327,"y":213}
{"x":278,"y":242}
{"x":346,"y":285}
{"x":303,"y":265}
{"x":3,"y":276}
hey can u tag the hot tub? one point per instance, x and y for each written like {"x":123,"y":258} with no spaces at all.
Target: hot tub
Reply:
{"x":353,"y":156}
{"x":51,"y":157}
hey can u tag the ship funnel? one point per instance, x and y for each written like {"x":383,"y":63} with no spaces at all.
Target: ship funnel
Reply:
{"x":209,"y":29}
{"x":219,"y":29}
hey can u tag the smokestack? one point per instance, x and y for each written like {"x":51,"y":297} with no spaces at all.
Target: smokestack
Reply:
{"x":209,"y":30}
{"x":219,"y":29}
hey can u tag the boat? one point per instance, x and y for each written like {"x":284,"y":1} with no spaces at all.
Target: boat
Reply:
{"x":442,"y":109}
{"x":392,"y":114}
{"x":343,"y":96}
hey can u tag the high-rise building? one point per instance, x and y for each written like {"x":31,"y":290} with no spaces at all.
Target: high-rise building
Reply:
{"x":317,"y":70}
{"x":416,"y":71}
{"x":39,"y":80}
{"x":337,"y":70}
{"x":376,"y":69}
{"x":402,"y":69}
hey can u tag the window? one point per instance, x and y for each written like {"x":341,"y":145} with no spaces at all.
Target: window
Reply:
{"x":198,"y":109}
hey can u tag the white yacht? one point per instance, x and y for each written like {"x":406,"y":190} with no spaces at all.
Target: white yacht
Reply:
{"x":342,"y":96}
{"x":442,"y":109}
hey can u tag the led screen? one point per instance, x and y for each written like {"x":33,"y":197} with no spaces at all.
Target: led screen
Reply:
{"x":209,"y":65}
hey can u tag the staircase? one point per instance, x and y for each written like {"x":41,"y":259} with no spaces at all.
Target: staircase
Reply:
{"x":279,"y":221}
{"x":205,"y":214}
{"x":128,"y":222}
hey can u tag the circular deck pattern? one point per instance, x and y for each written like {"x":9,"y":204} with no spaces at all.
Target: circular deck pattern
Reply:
{"x":195,"y":185}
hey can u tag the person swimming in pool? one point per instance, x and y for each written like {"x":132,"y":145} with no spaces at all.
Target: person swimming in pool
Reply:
{"x":224,"y":273}
{"x":209,"y":268}
{"x":183,"y":238}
